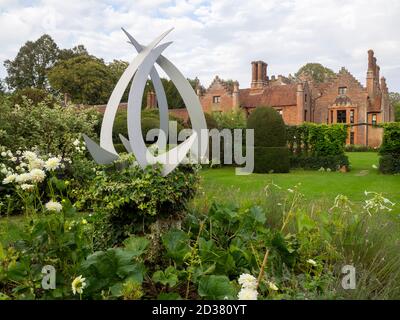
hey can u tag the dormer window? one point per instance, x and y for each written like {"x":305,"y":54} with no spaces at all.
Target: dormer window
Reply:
{"x":342,"y":91}
{"x":216,"y":99}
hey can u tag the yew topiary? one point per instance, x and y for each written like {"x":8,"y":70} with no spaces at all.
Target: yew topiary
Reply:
{"x":270,"y":150}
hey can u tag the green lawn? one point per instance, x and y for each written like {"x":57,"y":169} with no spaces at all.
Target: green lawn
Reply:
{"x":222,"y":183}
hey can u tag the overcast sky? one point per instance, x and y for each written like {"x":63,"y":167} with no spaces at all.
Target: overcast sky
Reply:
{"x":219,"y":37}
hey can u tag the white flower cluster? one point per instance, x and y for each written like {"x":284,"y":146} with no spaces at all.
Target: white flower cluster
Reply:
{"x":53,"y":206}
{"x":377,"y":203}
{"x":249,"y":287}
{"x":29,"y":168}
{"x":79,"y":146}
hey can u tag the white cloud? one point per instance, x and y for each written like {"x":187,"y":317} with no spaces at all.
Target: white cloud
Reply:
{"x":219,"y":37}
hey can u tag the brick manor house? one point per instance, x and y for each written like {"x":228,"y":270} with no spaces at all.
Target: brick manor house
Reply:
{"x":341,"y":99}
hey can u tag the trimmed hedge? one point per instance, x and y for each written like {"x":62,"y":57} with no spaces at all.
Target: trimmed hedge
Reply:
{"x":315,"y":163}
{"x":271,"y":160}
{"x":389,"y":164}
{"x":269,"y":128}
{"x":390,"y":148}
{"x":270,"y":150}
{"x":313,"y":146}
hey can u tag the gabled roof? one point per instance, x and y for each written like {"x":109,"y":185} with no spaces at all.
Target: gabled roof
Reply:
{"x":275,"y":96}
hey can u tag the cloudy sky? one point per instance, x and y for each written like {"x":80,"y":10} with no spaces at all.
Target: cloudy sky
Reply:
{"x":218,"y":37}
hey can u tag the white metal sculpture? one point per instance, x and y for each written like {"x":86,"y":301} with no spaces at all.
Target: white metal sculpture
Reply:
{"x":139,"y":69}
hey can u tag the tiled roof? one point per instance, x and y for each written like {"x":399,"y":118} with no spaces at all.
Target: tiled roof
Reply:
{"x":284,"y":95}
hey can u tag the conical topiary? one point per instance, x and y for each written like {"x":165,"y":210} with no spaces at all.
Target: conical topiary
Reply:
{"x":270,"y":149}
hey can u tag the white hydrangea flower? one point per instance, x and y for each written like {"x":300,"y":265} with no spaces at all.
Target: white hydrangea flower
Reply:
{"x":24,"y":177}
{"x":29,"y":155}
{"x":4,"y":171}
{"x":27,"y":187}
{"x":9,"y":179}
{"x":37,"y":175}
{"x":247,"y":294}
{"x":247,"y":281}
{"x":36,"y":164}
{"x":76,"y":142}
{"x":53,"y":206}
{"x":4,"y":154}
{"x":52,"y":164}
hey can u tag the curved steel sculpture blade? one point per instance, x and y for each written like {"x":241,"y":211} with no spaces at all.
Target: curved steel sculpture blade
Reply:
{"x":139,"y":69}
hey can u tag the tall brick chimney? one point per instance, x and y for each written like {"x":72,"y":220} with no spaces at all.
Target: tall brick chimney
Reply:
{"x":235,"y":96}
{"x":151,"y":100}
{"x":259,"y":77}
{"x":371,"y":75}
{"x":300,"y":103}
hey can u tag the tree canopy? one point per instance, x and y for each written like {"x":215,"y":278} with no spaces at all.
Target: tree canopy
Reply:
{"x":30,"y":66}
{"x":317,"y":71}
{"x":84,"y":78}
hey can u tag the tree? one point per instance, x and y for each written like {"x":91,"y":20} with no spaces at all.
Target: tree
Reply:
{"x":394,"y":98}
{"x":317,"y":71}
{"x":174,"y":99}
{"x":2,"y":87}
{"x":86,"y":79}
{"x":116,"y":69}
{"x":76,"y":51}
{"x":30,"y":66}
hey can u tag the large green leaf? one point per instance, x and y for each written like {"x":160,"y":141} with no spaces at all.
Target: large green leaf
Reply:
{"x":216,"y":288}
{"x":136,"y":245}
{"x":177,"y":244}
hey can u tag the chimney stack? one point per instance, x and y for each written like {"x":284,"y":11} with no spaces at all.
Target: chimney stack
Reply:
{"x":235,"y":96}
{"x":371,"y":75}
{"x":259,"y":77}
{"x":151,"y":100}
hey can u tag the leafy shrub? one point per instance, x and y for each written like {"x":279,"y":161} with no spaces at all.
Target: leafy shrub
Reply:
{"x":61,"y":240}
{"x":271,"y":159}
{"x":233,"y":119}
{"x":48,"y":129}
{"x":313,"y":144}
{"x":35,"y":96}
{"x":270,"y":150}
{"x":389,"y":164}
{"x":390,"y":149}
{"x":359,"y":148}
{"x":150,"y":120}
{"x":315,"y":163}
{"x":128,"y":200}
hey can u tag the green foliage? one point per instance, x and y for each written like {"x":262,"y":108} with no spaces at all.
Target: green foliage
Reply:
{"x":317,"y":71}
{"x":317,"y":145}
{"x":358,"y":148}
{"x":216,"y":288}
{"x":317,"y":162}
{"x":269,"y":128}
{"x":389,"y":164}
{"x":271,"y":160}
{"x":49,"y":129}
{"x":234,"y":119}
{"x":391,"y":139}
{"x":34,"y":95}
{"x":107,"y":272}
{"x":58,"y":239}
{"x":150,"y":120}
{"x":168,"y":277}
{"x":270,"y":151}
{"x":84,"y":78}
{"x":390,"y":148}
{"x":128,"y":199}
{"x":30,"y":66}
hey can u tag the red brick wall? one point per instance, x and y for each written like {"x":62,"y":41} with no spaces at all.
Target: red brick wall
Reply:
{"x":216,"y":89}
{"x":355,"y":92}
